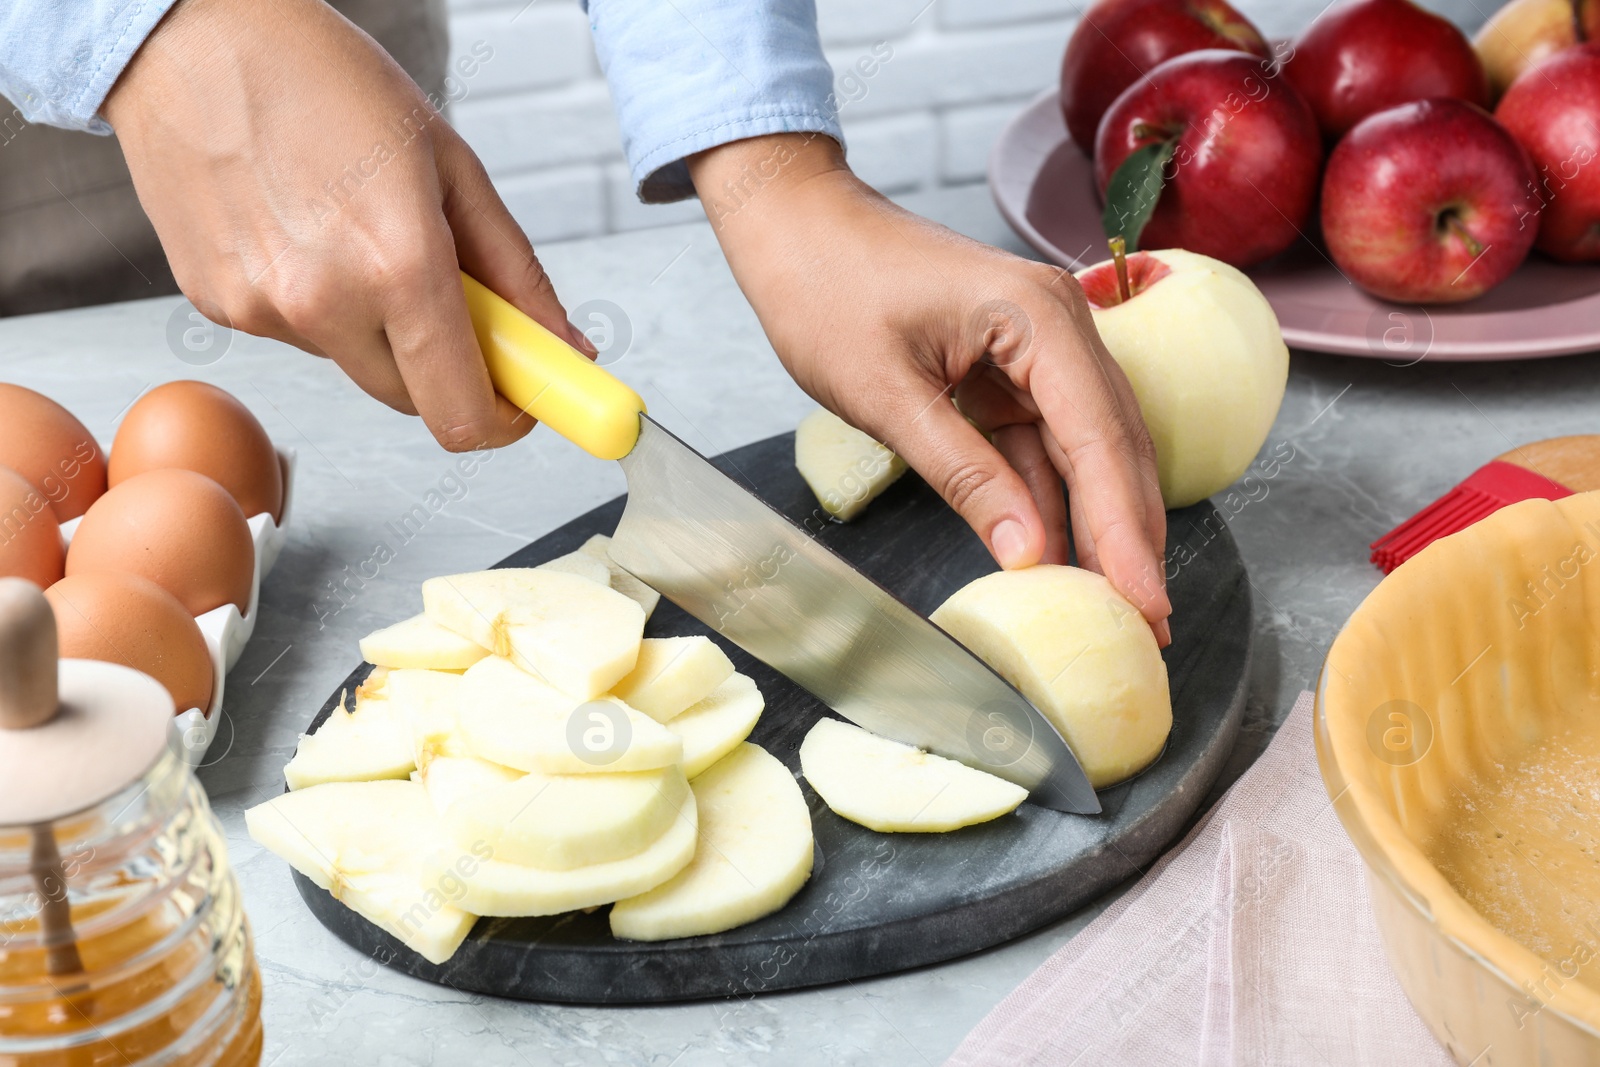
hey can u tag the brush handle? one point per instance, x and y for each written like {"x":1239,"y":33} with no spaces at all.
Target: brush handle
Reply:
{"x":1573,"y":462}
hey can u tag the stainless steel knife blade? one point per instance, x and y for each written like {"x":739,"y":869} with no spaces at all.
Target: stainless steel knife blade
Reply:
{"x":733,"y":562}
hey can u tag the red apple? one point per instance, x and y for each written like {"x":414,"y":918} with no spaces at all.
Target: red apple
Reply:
{"x":1363,"y":56}
{"x":1428,"y":203}
{"x":1243,"y":175}
{"x":1526,"y":32}
{"x":1553,"y":111}
{"x":1118,"y":41}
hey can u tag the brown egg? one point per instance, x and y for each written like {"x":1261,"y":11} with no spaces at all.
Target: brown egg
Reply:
{"x":199,"y":427}
{"x":30,"y":537}
{"x":122,"y":618}
{"x":40,"y":440}
{"x":177,"y":528}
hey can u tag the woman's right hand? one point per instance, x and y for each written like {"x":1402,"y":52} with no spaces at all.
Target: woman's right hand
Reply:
{"x":305,"y":189}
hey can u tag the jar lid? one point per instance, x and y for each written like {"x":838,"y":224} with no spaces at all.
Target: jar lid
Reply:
{"x":72,"y":732}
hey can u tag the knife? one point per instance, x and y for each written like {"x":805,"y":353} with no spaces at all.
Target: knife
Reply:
{"x":729,"y":559}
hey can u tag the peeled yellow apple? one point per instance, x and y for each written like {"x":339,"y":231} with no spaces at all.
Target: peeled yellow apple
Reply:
{"x":754,"y":854}
{"x":420,"y":643}
{"x":599,"y":546}
{"x":672,"y":674}
{"x":561,"y":822}
{"x":580,"y":636}
{"x":586,"y":566}
{"x":844,"y":467}
{"x":364,"y":842}
{"x":428,"y":702}
{"x":371,"y":743}
{"x":498,"y":887}
{"x":511,"y":717}
{"x":714,"y":727}
{"x":1080,"y":652}
{"x":894,"y":788}
{"x":1202,"y":349}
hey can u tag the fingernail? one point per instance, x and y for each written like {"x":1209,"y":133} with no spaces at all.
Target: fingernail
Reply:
{"x":1010,"y":541}
{"x":581,"y":340}
{"x":1163,"y":630}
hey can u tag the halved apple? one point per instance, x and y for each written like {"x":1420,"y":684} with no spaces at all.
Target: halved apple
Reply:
{"x":420,"y":642}
{"x":623,"y":581}
{"x":673,"y":673}
{"x":716,"y":725}
{"x":754,"y":854}
{"x":1080,"y":652}
{"x":562,"y":822}
{"x":361,"y":842}
{"x":579,"y":636}
{"x":513,"y":718}
{"x":844,"y":467}
{"x":496,"y":887}
{"x":894,"y":788}
{"x":371,"y":743}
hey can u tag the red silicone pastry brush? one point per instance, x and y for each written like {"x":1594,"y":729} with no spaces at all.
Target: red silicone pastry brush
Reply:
{"x":1550,"y":469}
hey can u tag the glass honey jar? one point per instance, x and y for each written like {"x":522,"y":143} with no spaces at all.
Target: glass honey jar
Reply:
{"x":123,"y":939}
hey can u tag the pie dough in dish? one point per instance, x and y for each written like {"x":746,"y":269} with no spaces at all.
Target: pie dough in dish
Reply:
{"x":1458,"y":732}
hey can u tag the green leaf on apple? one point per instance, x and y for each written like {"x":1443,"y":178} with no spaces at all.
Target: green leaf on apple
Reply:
{"x":1134,"y":188}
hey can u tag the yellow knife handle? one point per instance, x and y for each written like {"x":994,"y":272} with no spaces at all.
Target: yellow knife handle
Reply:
{"x":551,"y":380}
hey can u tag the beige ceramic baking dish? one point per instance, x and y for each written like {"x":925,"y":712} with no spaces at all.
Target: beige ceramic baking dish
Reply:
{"x":1443,"y":692}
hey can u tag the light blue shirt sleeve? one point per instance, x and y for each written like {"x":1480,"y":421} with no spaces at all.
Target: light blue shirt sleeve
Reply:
{"x":687,"y":75}
{"x":59,"y":58}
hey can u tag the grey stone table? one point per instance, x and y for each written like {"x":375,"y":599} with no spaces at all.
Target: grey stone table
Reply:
{"x":1369,"y":443}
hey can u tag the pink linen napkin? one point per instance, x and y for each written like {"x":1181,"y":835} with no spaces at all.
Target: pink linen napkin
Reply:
{"x":1250,"y":942}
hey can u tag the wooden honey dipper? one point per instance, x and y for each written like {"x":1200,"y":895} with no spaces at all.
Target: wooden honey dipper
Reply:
{"x":29,"y":699}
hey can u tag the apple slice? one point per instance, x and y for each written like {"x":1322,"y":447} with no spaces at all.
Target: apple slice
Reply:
{"x":623,"y":581}
{"x":371,"y":743}
{"x":496,"y":887}
{"x":844,"y":467}
{"x":579,"y":636}
{"x":715,"y":726}
{"x":754,"y":854}
{"x":562,"y":822}
{"x":1081,"y":653}
{"x":421,"y":643}
{"x":583,"y":565}
{"x":450,"y":778}
{"x":429,"y":702}
{"x":894,"y":788}
{"x":513,"y":718}
{"x":672,"y":674}
{"x":360,"y":841}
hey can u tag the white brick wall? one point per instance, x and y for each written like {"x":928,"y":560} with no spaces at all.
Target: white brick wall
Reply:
{"x":539,"y":115}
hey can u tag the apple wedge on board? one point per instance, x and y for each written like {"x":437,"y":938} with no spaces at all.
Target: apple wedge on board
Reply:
{"x":673,"y":674}
{"x":894,"y":788}
{"x":716,"y":725}
{"x":362,"y":841}
{"x":755,"y":853}
{"x":578,"y":635}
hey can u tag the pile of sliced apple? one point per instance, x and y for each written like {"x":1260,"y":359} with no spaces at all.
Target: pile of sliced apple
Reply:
{"x":521,"y":749}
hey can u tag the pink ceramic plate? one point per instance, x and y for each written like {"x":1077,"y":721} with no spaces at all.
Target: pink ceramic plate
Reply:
{"x":1044,"y":187}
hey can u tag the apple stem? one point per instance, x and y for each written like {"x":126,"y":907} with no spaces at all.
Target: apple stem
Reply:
{"x":1119,"y":256}
{"x":1453,"y":222}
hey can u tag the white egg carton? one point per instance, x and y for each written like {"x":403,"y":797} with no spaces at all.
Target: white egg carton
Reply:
{"x":225,"y":630}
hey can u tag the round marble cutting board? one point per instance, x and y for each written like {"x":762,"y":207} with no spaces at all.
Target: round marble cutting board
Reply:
{"x":879,"y":902}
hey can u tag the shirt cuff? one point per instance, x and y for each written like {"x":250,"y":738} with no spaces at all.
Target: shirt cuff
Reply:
{"x":688,"y":75}
{"x":60,"y":58}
